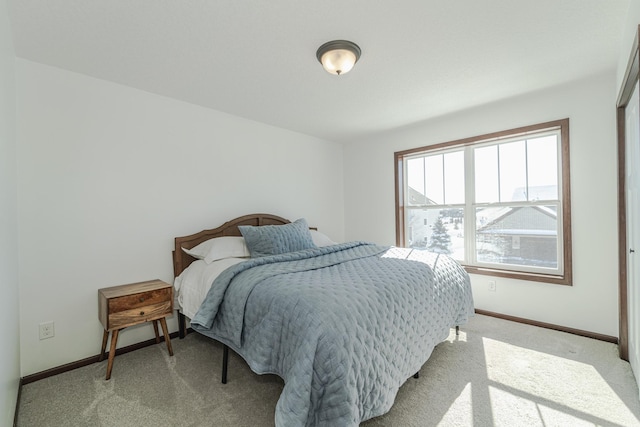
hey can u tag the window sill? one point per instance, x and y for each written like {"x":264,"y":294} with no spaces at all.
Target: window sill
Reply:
{"x":520,"y":275}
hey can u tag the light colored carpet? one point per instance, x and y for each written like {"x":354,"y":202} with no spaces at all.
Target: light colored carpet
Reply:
{"x":495,"y":373}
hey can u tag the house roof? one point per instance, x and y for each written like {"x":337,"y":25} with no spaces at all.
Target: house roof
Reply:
{"x":540,"y":192}
{"x":417,"y":198}
{"x":519,"y":220}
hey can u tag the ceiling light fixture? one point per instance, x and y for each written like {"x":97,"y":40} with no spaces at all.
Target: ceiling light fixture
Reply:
{"x":338,"y":56}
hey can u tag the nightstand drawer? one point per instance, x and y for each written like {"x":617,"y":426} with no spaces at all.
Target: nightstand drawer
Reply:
{"x":139,"y":315}
{"x":141,"y":299}
{"x":128,"y":301}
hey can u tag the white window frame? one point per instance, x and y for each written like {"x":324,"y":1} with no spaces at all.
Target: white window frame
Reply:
{"x":560,"y":275}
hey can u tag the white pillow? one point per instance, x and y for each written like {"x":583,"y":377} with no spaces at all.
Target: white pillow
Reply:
{"x":193,"y":284}
{"x":219,"y":248}
{"x":320,"y":239}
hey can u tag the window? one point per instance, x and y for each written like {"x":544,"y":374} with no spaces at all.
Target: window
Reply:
{"x":498,"y":203}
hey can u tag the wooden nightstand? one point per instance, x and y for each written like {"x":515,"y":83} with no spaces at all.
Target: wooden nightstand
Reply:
{"x":128,"y":305}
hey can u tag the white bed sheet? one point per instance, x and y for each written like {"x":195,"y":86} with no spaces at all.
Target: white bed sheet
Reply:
{"x":193,"y":284}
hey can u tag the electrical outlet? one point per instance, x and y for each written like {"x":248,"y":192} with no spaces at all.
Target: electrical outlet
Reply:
{"x":46,"y":330}
{"x":492,"y":285}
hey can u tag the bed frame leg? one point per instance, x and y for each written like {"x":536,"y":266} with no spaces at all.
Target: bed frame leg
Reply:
{"x":457,"y":330}
{"x":225,"y":363}
{"x":416,"y":375}
{"x":182,"y":322}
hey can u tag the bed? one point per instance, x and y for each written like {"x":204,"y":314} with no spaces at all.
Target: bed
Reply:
{"x":343,"y":324}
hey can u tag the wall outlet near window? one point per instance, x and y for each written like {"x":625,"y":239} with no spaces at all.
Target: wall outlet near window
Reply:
{"x":492,"y":285}
{"x":46,"y":330}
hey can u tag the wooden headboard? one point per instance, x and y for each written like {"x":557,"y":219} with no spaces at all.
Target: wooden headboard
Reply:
{"x":182,"y":260}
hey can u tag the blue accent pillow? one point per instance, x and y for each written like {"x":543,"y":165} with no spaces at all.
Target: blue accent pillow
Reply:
{"x":277,"y":239}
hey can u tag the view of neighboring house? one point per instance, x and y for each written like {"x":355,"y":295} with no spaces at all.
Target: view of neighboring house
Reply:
{"x":420,"y":220}
{"x":518,"y":235}
{"x":521,"y":235}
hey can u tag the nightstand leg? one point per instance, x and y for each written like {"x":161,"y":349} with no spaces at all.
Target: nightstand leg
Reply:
{"x":165,"y":331}
{"x":112,"y":352}
{"x":105,"y":336}
{"x":155,"y":329}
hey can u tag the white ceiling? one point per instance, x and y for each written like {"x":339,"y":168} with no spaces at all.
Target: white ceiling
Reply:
{"x":256,"y":58}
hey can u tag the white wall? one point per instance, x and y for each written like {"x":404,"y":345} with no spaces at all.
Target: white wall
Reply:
{"x":9,"y":317}
{"x":591,"y":304}
{"x":109,"y":175}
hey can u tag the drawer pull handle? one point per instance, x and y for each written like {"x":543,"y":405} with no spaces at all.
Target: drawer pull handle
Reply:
{"x":142,"y":299}
{"x":142,"y":313}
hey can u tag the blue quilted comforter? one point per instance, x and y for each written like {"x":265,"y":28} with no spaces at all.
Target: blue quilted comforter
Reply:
{"x":343,"y":325}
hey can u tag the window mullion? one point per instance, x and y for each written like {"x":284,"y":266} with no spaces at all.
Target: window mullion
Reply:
{"x":469,"y":210}
{"x":424,"y":177}
{"x":499,"y":174}
{"x":526,"y":169}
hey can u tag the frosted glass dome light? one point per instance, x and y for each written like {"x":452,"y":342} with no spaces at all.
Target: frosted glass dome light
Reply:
{"x":338,"y":56}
